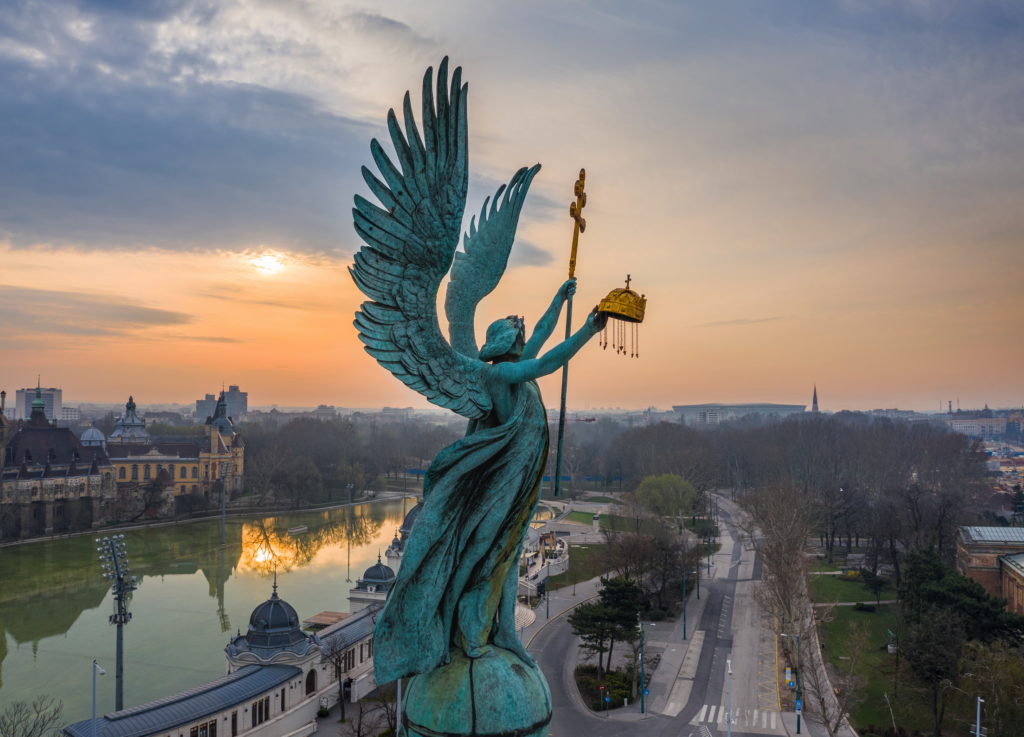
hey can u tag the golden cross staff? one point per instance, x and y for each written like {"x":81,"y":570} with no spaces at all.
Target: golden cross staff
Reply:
{"x":580,"y":225}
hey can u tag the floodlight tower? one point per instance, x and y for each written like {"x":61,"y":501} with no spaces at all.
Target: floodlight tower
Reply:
{"x":114,"y":561}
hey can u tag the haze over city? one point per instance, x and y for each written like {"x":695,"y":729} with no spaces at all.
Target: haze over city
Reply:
{"x":806,"y":192}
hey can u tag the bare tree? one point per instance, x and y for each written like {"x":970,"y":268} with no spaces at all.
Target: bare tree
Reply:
{"x":37,"y":718}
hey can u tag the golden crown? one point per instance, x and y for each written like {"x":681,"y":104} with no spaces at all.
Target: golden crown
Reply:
{"x":624,"y":304}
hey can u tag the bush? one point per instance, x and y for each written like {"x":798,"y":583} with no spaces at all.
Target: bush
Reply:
{"x":322,"y":712}
{"x":860,"y":606}
{"x":618,"y":685}
{"x":657,"y":615}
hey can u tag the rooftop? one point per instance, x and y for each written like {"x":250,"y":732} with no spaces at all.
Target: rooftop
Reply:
{"x":993,"y":534}
{"x":168,"y":713}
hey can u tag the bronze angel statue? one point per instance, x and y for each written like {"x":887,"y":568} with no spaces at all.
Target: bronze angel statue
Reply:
{"x":450,"y":618}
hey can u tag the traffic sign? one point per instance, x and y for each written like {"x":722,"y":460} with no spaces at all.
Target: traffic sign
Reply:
{"x":647,"y":692}
{"x":607,"y":699}
{"x":799,"y":706}
{"x":791,"y":684}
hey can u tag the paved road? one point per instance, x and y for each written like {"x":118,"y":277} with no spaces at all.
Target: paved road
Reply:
{"x":689,"y":690}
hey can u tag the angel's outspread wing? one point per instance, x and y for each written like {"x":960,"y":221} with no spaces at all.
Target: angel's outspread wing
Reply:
{"x":480,"y":266}
{"x":409,"y":247}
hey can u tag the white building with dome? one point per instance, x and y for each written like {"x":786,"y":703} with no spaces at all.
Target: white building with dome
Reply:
{"x":278,"y":679}
{"x":373,"y":587}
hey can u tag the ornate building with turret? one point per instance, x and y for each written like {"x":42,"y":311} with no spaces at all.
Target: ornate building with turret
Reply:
{"x":50,"y":482}
{"x":175,"y":474}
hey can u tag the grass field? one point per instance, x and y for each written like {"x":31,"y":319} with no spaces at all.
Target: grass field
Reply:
{"x":841,"y":588}
{"x":823,"y":566}
{"x":579,"y":518}
{"x":584,"y":564}
{"x":602,"y":500}
{"x":875,"y":668}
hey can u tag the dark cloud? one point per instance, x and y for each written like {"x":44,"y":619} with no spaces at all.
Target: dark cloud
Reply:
{"x":739,"y":321}
{"x":28,"y":311}
{"x":525,"y":253}
{"x":378,"y":23}
{"x":106,"y":144}
{"x":230,"y":297}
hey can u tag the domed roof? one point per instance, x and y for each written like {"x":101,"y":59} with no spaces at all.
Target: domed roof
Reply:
{"x":378,"y":573}
{"x":411,"y":517}
{"x":92,"y":437}
{"x":274,"y":623}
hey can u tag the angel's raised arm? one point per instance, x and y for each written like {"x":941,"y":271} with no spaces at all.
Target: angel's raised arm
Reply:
{"x":548,"y":321}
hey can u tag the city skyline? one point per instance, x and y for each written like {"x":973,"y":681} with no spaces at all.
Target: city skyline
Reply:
{"x":810,"y":193}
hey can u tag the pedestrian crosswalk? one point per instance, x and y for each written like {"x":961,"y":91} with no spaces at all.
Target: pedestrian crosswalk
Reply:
{"x":742,"y":718}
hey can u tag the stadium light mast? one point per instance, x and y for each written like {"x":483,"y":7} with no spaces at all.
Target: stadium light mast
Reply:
{"x":114,"y":561}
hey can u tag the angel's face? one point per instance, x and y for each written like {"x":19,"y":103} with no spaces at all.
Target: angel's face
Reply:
{"x":520,"y":342}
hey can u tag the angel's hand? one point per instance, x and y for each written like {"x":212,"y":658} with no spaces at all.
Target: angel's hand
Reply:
{"x":567,"y":289}
{"x":596,"y":321}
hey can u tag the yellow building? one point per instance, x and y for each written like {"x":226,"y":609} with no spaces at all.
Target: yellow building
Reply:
{"x":189,"y":467}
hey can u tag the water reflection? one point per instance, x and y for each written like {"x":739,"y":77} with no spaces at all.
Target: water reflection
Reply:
{"x":54,"y":605}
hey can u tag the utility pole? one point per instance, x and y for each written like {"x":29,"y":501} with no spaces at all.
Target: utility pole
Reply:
{"x":114,"y":561}
{"x":684,"y":604}
{"x":643,"y":678}
{"x":977,"y":716}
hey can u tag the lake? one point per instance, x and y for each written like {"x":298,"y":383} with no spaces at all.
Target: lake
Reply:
{"x":193,"y":594}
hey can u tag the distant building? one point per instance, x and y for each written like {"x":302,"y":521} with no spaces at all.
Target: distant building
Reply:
{"x":50,"y":482}
{"x":237,"y":404}
{"x":70,"y":414}
{"x":714,"y":414}
{"x":397,"y":548}
{"x":190,"y":465}
{"x":978,"y":427}
{"x":278,"y":678}
{"x":980,"y":553}
{"x":52,"y":402}
{"x":1011,"y":576}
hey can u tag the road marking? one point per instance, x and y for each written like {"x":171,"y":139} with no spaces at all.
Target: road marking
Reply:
{"x":745,"y":718}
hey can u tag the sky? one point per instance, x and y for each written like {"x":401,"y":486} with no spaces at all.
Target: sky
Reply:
{"x":807,"y":192}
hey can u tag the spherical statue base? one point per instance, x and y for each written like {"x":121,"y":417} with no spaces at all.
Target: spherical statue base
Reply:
{"x":495,"y":695}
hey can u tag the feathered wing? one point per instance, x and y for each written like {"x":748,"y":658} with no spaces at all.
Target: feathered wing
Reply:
{"x":480,"y":265}
{"x":409,"y":245}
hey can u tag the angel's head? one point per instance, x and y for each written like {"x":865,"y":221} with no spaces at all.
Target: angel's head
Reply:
{"x":505,"y":339}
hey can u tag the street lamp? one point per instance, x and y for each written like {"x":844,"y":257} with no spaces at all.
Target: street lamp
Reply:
{"x":643,"y":677}
{"x":799,"y":689}
{"x":977,"y":716}
{"x":114,"y":561}
{"x":95,"y":670}
{"x":547,"y":592}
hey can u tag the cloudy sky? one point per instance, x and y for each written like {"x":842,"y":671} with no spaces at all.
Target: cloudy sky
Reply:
{"x":807,"y":191}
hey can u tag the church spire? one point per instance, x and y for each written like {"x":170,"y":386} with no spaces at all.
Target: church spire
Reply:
{"x":814,"y":400}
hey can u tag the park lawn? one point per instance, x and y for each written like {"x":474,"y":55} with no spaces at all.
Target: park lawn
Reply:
{"x":584,"y":564}
{"x":579,"y":518}
{"x":647,"y":525}
{"x":827,"y":589}
{"x":874,"y":667}
{"x":820,"y":565}
{"x":602,"y":500}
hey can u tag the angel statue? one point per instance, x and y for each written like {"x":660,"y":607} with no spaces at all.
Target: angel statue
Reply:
{"x":449,"y":620}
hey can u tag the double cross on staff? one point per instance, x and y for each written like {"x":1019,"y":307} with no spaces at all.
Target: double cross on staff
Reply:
{"x":576,"y":213}
{"x":580,"y":225}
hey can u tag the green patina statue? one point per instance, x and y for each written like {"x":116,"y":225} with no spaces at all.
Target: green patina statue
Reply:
{"x":449,"y":620}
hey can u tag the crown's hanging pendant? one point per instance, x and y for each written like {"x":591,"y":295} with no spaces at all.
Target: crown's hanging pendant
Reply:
{"x":627,"y":308}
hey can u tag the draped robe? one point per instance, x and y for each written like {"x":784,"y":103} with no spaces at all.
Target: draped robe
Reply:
{"x":459,"y":577}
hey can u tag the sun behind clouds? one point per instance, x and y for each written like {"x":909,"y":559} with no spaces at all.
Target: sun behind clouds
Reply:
{"x":267,"y":263}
